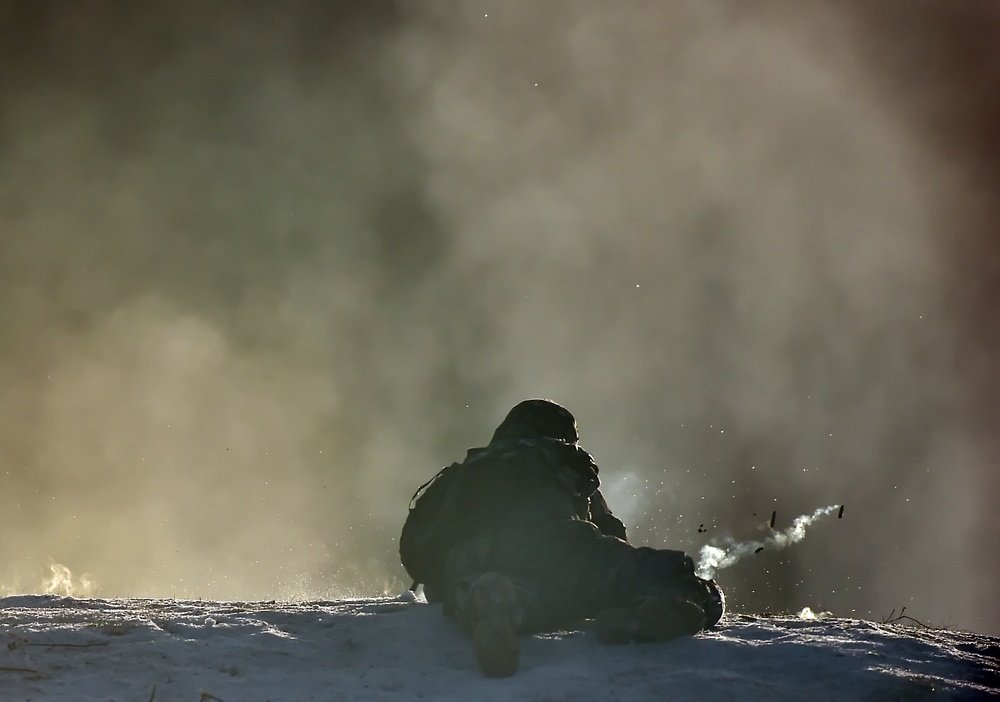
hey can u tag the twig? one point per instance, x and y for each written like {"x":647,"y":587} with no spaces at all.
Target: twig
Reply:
{"x":207,"y":696}
{"x":911,"y":619}
{"x":12,"y":669}
{"x":901,"y":616}
{"x":152,"y":694}
{"x":69,"y":645}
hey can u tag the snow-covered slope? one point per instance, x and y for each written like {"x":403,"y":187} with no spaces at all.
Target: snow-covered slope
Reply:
{"x":392,"y":649}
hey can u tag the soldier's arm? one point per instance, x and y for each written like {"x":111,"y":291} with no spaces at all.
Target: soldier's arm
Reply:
{"x":600,"y":515}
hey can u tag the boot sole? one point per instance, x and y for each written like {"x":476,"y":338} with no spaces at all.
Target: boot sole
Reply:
{"x":494,"y":639}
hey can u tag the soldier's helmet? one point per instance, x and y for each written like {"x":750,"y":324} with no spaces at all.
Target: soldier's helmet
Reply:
{"x":538,"y":419}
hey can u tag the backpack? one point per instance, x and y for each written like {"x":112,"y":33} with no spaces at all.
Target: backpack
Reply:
{"x":429,"y":528}
{"x":464,"y":497}
{"x":453,"y":505}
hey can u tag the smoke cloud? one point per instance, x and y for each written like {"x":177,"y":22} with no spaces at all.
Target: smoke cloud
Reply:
{"x":63,"y":583}
{"x":265,"y":267}
{"x":724,"y":553}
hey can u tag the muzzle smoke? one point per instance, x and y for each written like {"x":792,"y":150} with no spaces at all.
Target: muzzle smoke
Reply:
{"x":715,"y":557}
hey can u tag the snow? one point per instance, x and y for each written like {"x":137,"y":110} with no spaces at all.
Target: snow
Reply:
{"x":60,"y":648}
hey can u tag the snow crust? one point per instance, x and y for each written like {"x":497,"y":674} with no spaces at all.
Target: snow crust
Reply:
{"x":57,"y":648}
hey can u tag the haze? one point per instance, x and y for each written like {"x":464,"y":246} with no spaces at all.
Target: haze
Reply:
{"x":264,"y":268}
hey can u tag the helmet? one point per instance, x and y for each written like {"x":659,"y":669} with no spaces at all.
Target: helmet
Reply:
{"x":538,"y":419}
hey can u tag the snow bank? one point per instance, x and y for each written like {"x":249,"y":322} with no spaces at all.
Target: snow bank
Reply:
{"x":390,"y":649}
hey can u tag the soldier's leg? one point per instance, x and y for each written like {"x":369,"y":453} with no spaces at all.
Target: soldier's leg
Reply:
{"x":543,"y":584}
{"x":565,"y":571}
{"x":650,"y":594}
{"x":495,"y":595}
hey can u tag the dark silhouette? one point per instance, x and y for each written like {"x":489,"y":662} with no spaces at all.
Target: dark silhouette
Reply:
{"x":517,"y":538}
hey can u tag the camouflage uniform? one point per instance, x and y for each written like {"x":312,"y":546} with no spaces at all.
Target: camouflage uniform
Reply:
{"x":527,"y":508}
{"x":538,"y":531}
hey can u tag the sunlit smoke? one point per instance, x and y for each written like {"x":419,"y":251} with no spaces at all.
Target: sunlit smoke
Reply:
{"x":61,"y":581}
{"x":808,"y":614}
{"x":715,"y":557}
{"x":628,"y":492}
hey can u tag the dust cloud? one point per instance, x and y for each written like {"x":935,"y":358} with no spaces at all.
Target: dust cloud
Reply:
{"x":265,"y":267}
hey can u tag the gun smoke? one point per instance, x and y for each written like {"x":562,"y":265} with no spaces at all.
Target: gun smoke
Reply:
{"x":714,"y":557}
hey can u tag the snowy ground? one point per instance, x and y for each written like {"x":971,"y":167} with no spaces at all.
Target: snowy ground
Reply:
{"x":59,"y":648}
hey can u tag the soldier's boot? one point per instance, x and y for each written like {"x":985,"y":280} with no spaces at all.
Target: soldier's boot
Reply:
{"x":658,"y":618}
{"x":495,"y":612}
{"x":715,"y":603}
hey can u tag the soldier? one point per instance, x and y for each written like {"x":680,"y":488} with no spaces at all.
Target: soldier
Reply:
{"x":517,"y":538}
